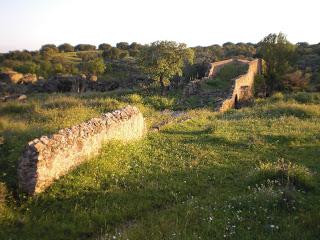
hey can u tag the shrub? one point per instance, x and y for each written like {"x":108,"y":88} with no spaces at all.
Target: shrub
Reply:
{"x":159,"y":102}
{"x":3,"y":193}
{"x":278,"y":96}
{"x":134,"y":98}
{"x":303,"y":97}
{"x":296,"y":81}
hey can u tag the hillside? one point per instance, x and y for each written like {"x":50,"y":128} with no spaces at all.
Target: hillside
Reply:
{"x":234,"y":175}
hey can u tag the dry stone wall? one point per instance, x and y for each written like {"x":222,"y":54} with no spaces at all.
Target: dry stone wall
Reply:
{"x":47,"y":158}
{"x":243,"y":86}
{"x":194,"y":86}
{"x":216,"y":66}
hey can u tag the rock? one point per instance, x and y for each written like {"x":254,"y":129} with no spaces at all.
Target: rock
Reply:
{"x":93,"y":78}
{"x":12,"y":76}
{"x":22,"y":98}
{"x":29,"y":78}
{"x":1,"y":140}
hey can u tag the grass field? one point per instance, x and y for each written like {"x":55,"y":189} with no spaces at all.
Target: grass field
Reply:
{"x":251,"y":173}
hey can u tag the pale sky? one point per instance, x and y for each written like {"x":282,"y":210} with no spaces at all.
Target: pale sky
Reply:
{"x":28,"y":24}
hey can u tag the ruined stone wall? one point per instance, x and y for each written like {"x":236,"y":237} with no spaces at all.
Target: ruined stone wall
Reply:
{"x":243,"y":86}
{"x":47,"y":158}
{"x":194,"y":86}
{"x":216,"y":66}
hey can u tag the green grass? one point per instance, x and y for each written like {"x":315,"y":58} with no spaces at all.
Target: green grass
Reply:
{"x":251,"y":173}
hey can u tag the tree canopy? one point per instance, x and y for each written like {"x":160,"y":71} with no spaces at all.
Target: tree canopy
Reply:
{"x":104,"y":46}
{"x":66,"y":47}
{"x":94,"y":67}
{"x":278,"y":52}
{"x":164,"y":59}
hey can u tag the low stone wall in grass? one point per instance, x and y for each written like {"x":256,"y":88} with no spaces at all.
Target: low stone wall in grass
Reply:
{"x":47,"y":158}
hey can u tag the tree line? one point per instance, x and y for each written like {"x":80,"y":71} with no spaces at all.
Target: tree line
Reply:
{"x":289,"y":67}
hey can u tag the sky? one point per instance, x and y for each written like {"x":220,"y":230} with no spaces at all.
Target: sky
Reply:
{"x":29,"y":24}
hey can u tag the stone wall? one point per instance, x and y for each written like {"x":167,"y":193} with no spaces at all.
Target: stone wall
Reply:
{"x":47,"y":158}
{"x":243,"y":86}
{"x":216,"y":66}
{"x":193,"y":87}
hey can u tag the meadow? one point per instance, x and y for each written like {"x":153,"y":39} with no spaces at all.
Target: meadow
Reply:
{"x":251,"y":173}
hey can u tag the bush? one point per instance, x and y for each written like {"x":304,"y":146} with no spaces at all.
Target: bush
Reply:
{"x":303,"y":97}
{"x":159,"y":102}
{"x":278,"y":96}
{"x":28,"y":67}
{"x":296,"y":81}
{"x":134,"y":98}
{"x":260,"y":86}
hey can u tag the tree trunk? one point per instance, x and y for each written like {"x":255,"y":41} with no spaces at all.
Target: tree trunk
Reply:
{"x":162,"y":86}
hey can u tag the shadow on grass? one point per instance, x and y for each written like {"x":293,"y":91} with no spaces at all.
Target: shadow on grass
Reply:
{"x":206,"y":137}
{"x":69,"y":212}
{"x":269,"y":114}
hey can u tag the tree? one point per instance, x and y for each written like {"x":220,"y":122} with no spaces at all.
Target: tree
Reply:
{"x":94,"y":67}
{"x":278,"y":53}
{"x":134,"y":52}
{"x":28,"y":67}
{"x":165,"y":59}
{"x":105,"y":47}
{"x":45,"y":69}
{"x":113,"y":53}
{"x":123,"y":45}
{"x":84,"y":47}
{"x":135,"y":46}
{"x":66,"y":47}
{"x":19,"y":55}
{"x":48,"y":50}
{"x":124,"y":54}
